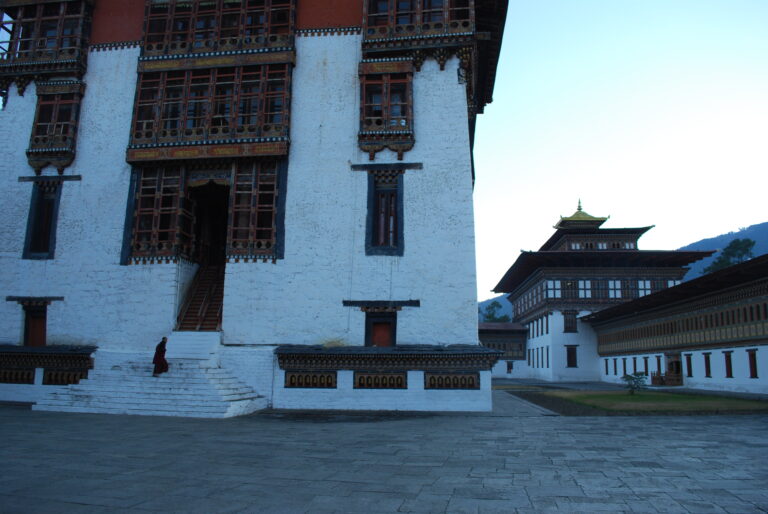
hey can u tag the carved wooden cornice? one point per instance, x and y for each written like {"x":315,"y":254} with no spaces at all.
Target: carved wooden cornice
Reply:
{"x":328,"y":31}
{"x":399,"y":141}
{"x":218,"y":59}
{"x":397,"y":358}
{"x":208,"y":150}
{"x":23,"y":72}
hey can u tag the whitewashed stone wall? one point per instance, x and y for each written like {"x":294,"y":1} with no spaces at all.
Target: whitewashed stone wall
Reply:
{"x":113,"y":306}
{"x":741,"y":381}
{"x":415,"y":398}
{"x":299,"y":299}
{"x":555,"y":342}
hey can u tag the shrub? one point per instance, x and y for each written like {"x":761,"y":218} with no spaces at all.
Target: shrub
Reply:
{"x":634,"y":382}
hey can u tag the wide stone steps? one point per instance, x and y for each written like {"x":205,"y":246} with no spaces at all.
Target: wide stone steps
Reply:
{"x":191,"y":388}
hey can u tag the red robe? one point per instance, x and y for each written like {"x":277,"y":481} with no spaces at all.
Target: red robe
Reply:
{"x":161,"y":365}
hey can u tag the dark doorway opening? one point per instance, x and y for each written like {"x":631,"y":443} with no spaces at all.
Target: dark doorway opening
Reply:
{"x":211,"y":209}
{"x":35,"y":325}
{"x":380,"y":328}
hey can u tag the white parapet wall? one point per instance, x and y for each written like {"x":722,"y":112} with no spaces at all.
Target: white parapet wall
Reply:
{"x":415,"y":398}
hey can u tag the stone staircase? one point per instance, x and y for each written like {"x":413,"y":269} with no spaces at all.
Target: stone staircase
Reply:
{"x":123,"y":384}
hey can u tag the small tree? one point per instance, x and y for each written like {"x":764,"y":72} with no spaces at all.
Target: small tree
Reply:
{"x":738,"y":250}
{"x":490,"y":313}
{"x":634,"y":382}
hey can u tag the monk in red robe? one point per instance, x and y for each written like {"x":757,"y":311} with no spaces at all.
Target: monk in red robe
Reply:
{"x":161,"y":365}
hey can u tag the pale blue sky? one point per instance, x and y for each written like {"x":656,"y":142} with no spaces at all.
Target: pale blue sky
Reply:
{"x":654,"y":112}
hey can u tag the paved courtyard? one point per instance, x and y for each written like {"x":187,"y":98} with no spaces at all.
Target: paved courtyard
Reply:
{"x":517,"y":459}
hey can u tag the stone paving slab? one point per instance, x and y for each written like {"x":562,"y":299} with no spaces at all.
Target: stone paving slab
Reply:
{"x":526,"y":463}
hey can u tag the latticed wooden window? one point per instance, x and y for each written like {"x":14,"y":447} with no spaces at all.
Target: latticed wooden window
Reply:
{"x":163,"y":216}
{"x":386,"y":102}
{"x":384,"y":234}
{"x":49,"y":30}
{"x":212,"y":104}
{"x":178,"y":26}
{"x":55,"y":121}
{"x":417,"y":16}
{"x":253,"y":207}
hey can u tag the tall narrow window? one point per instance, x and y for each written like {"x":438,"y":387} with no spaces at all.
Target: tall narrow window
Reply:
{"x":606,"y":366}
{"x":585,"y":289}
{"x":554,"y":289}
{"x":658,"y":364}
{"x":41,"y":224}
{"x":645,"y":366}
{"x":624,"y":366}
{"x":159,"y":207}
{"x":688,"y":365}
{"x":707,"y":366}
{"x":634,"y":364}
{"x":614,"y":289}
{"x":253,"y":206}
{"x":615,"y":371}
{"x":752,"y":356}
{"x":728,"y":364}
{"x":569,"y":321}
{"x":570,"y":356}
{"x":385,"y":214}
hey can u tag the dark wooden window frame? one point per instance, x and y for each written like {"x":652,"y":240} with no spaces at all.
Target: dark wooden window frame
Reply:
{"x":571,"y":356}
{"x":40,"y":240}
{"x":56,"y":120}
{"x":379,"y":109}
{"x":752,"y":359}
{"x":44,"y":31}
{"x":728,"y":356}
{"x":707,"y":365}
{"x":416,"y":16}
{"x":380,"y":317}
{"x":178,"y":26}
{"x":212,"y":104}
{"x":160,"y":213}
{"x":569,"y":321}
{"x":385,"y":220}
{"x":689,"y":365}
{"x":161,"y":200}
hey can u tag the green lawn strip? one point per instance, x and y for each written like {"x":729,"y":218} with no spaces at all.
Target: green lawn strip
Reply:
{"x":657,"y":401}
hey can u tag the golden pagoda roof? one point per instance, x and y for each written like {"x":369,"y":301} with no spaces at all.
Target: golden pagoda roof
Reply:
{"x":580,"y":218}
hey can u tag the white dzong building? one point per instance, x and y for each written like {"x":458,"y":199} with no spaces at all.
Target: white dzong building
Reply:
{"x":283,"y":188}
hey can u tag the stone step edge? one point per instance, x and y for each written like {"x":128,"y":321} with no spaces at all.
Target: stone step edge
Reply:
{"x":153,"y":395}
{"x":169,"y":406}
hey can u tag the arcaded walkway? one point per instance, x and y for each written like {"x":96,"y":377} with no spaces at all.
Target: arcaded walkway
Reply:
{"x":518,"y":460}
